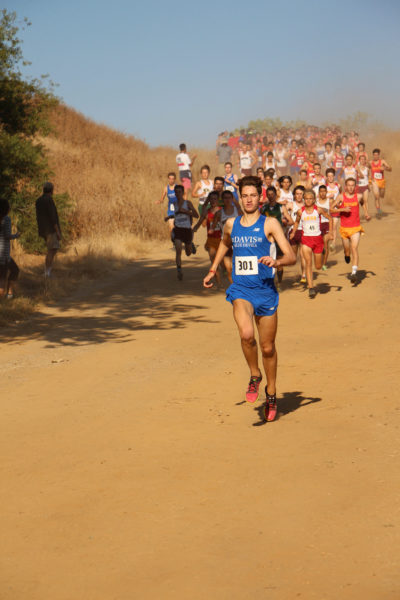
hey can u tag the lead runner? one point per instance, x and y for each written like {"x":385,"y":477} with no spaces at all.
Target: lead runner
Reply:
{"x":252,"y":293}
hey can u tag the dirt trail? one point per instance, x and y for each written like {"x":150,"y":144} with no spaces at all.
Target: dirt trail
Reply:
{"x":132,"y":468}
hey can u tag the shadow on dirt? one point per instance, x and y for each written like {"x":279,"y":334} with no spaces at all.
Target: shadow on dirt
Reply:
{"x":287,"y":403}
{"x":144,"y":295}
{"x":361,"y":276}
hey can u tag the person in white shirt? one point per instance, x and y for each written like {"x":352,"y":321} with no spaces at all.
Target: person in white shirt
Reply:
{"x":185,"y":163}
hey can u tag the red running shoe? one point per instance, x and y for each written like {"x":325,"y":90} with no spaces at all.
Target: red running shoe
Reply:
{"x":271,"y":407}
{"x":252,"y":393}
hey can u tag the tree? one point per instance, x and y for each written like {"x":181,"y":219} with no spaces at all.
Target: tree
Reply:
{"x":25,"y":104}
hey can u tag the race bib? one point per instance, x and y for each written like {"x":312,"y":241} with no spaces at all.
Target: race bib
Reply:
{"x":230,"y":188}
{"x":377,"y":175}
{"x":300,"y":161}
{"x":246,"y":265}
{"x":172,"y":207}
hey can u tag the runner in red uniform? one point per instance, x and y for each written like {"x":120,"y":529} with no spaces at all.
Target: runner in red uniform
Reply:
{"x":312,"y":241}
{"x":210,"y":209}
{"x":348,"y":205}
{"x":378,"y":167}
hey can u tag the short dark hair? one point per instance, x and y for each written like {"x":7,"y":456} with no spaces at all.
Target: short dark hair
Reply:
{"x":350,"y":179}
{"x":212,"y":194}
{"x":171,"y":174}
{"x":179,"y":187}
{"x":48,"y":187}
{"x":228,"y":162}
{"x":271,"y":188}
{"x":251,"y":180}
{"x":283,"y":177}
{"x":219,"y":178}
{"x":376,"y":150}
{"x":299,"y":187}
{"x":182,"y":147}
{"x":226,"y":194}
{"x":205,"y":167}
{"x":322,"y":187}
{"x":330,"y":170}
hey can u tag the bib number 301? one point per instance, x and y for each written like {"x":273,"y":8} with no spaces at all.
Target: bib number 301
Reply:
{"x":246,"y":265}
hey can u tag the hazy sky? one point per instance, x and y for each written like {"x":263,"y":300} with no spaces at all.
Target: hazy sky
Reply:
{"x":183,"y":71}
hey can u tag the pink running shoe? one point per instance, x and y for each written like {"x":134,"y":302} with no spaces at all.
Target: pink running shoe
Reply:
{"x":271,"y":407}
{"x":252,"y":393}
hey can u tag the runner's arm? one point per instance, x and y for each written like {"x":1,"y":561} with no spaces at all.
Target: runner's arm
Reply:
{"x":223,"y":248}
{"x":327,"y":215}
{"x":386,"y":166}
{"x":162,"y":197}
{"x":286,"y":216}
{"x":295,"y":226}
{"x":202,"y":218}
{"x":192,"y":211}
{"x":216,"y":219}
{"x":196,"y":187}
{"x":273,"y":228}
{"x":232,"y":183}
{"x":335,"y":205}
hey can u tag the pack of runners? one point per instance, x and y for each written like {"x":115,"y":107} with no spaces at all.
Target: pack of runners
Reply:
{"x":297,"y":188}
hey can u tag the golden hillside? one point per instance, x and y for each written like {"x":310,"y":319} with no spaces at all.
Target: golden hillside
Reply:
{"x":113,"y":179}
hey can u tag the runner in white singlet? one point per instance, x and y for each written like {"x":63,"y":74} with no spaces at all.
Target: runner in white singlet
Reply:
{"x":203,"y":187}
{"x":363,"y":187}
{"x":333,"y":191}
{"x":323,"y":202}
{"x":295,"y":241}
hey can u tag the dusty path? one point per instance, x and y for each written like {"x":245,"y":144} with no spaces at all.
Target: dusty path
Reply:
{"x":132,"y":468}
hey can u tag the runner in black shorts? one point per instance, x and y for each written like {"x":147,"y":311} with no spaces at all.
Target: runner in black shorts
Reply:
{"x":184,"y":213}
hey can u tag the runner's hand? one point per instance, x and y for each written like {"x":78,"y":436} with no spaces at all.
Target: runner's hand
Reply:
{"x":207,"y":279}
{"x":268,"y":261}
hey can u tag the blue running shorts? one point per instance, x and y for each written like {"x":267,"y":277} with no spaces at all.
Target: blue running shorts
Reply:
{"x":265,"y":300}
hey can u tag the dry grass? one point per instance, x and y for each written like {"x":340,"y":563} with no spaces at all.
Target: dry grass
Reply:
{"x":113,"y":179}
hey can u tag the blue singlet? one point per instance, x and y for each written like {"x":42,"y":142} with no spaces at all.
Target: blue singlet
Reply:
{"x":253,"y":281}
{"x":171,"y":201}
{"x":231,"y":188}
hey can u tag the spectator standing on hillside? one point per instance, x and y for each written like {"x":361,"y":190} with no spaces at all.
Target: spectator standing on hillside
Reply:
{"x":48,"y":225}
{"x":8,"y":268}
{"x":185,"y":163}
